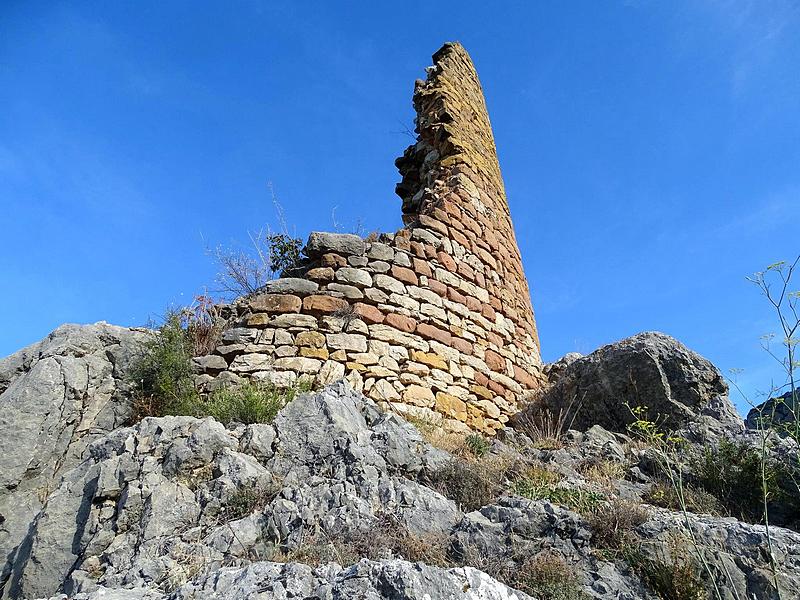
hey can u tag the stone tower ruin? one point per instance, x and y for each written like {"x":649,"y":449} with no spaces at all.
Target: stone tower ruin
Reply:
{"x":434,"y":320}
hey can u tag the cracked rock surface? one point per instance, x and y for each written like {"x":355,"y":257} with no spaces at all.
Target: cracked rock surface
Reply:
{"x":179,"y":507}
{"x":56,"y":397}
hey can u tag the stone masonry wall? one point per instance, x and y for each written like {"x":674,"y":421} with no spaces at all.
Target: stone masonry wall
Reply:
{"x":434,"y":320}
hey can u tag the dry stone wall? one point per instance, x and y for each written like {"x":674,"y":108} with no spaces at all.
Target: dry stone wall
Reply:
{"x":433,"y":321}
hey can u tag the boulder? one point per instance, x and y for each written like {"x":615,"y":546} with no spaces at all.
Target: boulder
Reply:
{"x":650,"y":369}
{"x":780,"y":412}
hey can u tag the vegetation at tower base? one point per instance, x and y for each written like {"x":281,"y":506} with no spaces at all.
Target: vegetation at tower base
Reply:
{"x":196,"y":462}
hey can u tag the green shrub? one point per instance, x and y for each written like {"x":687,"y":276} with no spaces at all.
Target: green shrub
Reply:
{"x":247,"y":499}
{"x":695,"y":499}
{"x":547,"y":577}
{"x":676,"y":579}
{"x":538,"y":483}
{"x":731,"y":473}
{"x":471,"y":483}
{"x":613,"y":523}
{"x":250,"y":402}
{"x":477,"y":445}
{"x":162,"y":374}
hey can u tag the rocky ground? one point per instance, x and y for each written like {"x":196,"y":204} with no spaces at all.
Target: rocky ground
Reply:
{"x":339,"y":499}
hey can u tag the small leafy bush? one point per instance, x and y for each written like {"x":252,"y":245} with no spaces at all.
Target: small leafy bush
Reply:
{"x":544,"y":426}
{"x":471,"y":483}
{"x":384,"y":538}
{"x":613,"y":522}
{"x":548,"y":577}
{"x":541,"y":484}
{"x":477,"y":445}
{"x":250,"y":402}
{"x":695,"y":499}
{"x":732,"y":474}
{"x":676,"y":579}
{"x":162,"y":374}
{"x":246,"y":499}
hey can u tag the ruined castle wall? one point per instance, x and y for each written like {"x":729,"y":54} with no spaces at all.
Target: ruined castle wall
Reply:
{"x":434,"y":320}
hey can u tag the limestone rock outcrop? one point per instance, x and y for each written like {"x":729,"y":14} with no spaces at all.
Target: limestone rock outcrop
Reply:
{"x":56,"y":398}
{"x":179,"y":507}
{"x":679,"y":387}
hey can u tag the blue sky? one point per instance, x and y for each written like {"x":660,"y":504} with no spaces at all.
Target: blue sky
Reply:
{"x":650,"y":151}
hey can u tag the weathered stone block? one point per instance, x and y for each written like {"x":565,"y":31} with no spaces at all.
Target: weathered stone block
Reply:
{"x":321,"y":274}
{"x":379,"y":251}
{"x":451,"y":406}
{"x":294,"y":321}
{"x":400,"y":322}
{"x":405,"y":275}
{"x":320,"y":243}
{"x":276,"y":303}
{"x":369,"y":314}
{"x":323,"y":304}
{"x":419,"y":396}
{"x":350,"y":292}
{"x":330,"y":372}
{"x":313,"y":339}
{"x":299,"y":364}
{"x":347,"y":341}
{"x":290,"y":285}
{"x":434,"y":333}
{"x":391,"y":284}
{"x":429,"y":358}
{"x":354,"y":276}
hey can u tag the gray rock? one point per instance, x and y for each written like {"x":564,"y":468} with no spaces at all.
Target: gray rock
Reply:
{"x":58,"y":396}
{"x":290,"y":285}
{"x":776,"y":412}
{"x":157,"y":501}
{"x":384,"y":580}
{"x":651,"y":369}
{"x":346,"y":244}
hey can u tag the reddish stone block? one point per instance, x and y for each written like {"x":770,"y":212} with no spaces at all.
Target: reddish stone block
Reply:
{"x":466,"y":271}
{"x":430,"y":251}
{"x":496,"y":388}
{"x":402,"y":243}
{"x":418,"y":248}
{"x":473,"y":303}
{"x":494,"y":361}
{"x":276,"y":303}
{"x":456,"y":296}
{"x":522,"y":377}
{"x":431,"y":223}
{"x":434,"y":333}
{"x":319,"y":304}
{"x":401,"y":322}
{"x":481,"y":379}
{"x":459,"y":237}
{"x":462,"y":345}
{"x":421,"y":267}
{"x":446,"y":261}
{"x":438,"y":287}
{"x":495,"y":339}
{"x":368,"y":314}
{"x":333,"y":260}
{"x":404,"y":275}
{"x":320,"y":274}
{"x":442,"y":216}
{"x":488,"y":312}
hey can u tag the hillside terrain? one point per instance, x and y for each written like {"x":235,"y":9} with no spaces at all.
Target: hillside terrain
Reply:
{"x":336,"y":498}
